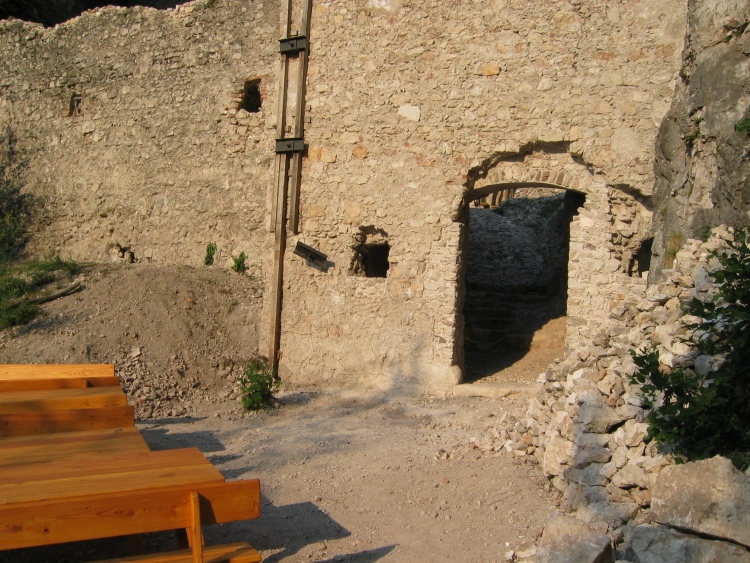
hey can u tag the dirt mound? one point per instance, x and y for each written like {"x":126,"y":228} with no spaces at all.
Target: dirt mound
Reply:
{"x":179,"y":336}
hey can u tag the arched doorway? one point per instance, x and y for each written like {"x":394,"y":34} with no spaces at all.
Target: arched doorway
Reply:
{"x":516,"y":279}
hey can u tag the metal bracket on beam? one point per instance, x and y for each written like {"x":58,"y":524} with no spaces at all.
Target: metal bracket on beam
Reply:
{"x":292,"y":45}
{"x":290,"y":145}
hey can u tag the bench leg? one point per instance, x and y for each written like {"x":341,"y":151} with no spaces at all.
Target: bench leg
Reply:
{"x":194,"y":532}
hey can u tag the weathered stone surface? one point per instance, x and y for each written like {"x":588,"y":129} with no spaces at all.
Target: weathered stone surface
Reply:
{"x":558,"y":455}
{"x":614,"y":514}
{"x":652,"y":544}
{"x":708,"y":497}
{"x":569,"y":540}
{"x":699,"y":184}
{"x":631,"y":476}
{"x":598,"y":418}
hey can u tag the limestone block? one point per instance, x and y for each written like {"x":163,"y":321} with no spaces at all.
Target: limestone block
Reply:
{"x":410,"y":112}
{"x":488,"y":69}
{"x":709,"y":497}
{"x":657,"y":544}
{"x":566,"y":540}
{"x":614,"y":514}
{"x":598,"y":418}
{"x":631,"y":476}
{"x":558,"y":455}
{"x":590,"y":476}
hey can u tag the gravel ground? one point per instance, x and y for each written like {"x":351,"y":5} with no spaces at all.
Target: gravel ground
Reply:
{"x":344,"y":477}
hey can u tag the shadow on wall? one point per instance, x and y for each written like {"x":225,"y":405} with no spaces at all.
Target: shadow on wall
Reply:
{"x":53,"y":12}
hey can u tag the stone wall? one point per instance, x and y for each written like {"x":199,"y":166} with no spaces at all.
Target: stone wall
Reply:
{"x":128,"y":118}
{"x":411,"y":105}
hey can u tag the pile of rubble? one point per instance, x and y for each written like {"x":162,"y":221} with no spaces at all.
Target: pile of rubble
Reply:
{"x":586,"y":429}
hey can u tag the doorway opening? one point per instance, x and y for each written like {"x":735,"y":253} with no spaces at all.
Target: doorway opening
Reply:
{"x":516,"y":283}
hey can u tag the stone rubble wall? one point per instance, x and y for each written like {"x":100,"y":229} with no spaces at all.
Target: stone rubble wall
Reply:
{"x":411,"y":104}
{"x":586,"y":427}
{"x":137,"y":152}
{"x":153,"y":161}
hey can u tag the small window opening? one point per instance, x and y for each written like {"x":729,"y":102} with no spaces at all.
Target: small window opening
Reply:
{"x":371,"y":253}
{"x":375,"y":260}
{"x":251,"y":99}
{"x":641,"y":261}
{"x":75,"y":105}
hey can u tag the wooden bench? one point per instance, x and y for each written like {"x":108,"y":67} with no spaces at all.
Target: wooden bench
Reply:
{"x":74,"y":467}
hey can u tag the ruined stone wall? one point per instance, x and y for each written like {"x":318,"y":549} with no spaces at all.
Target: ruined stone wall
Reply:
{"x":410,"y":104}
{"x":135,"y":149}
{"x":127,"y":117}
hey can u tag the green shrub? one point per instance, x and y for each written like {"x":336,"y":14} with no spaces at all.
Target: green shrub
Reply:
{"x":210,"y":252}
{"x":258,"y":384}
{"x":239,"y":265}
{"x":702,"y":416}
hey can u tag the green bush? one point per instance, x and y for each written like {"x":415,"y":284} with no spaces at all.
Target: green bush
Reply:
{"x":258,"y":384}
{"x":700,"y":416}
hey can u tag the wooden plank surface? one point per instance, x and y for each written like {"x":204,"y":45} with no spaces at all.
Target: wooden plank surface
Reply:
{"x":128,"y":479}
{"x":125,"y":513}
{"x":61,"y":399}
{"x":11,"y":372}
{"x":233,"y":553}
{"x":57,"y":383}
{"x":23,"y":472}
{"x":44,"y":447}
{"x":28,"y":423}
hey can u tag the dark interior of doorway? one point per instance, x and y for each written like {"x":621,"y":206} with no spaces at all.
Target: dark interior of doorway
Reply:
{"x":516,"y":285}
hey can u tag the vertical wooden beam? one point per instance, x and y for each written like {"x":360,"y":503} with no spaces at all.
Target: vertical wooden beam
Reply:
{"x":279,"y":206}
{"x":299,"y":121}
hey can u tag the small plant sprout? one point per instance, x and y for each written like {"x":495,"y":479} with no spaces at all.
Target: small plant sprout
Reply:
{"x":210,"y":251}
{"x":239,"y":264}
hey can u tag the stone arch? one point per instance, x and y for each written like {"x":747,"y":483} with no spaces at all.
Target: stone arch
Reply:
{"x":561,"y":171}
{"x":594,"y":267}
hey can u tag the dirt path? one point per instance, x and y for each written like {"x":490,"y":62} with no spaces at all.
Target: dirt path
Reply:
{"x":344,"y":477}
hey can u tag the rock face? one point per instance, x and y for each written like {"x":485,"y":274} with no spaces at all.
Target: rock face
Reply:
{"x":702,"y":165}
{"x":720,"y":507}
{"x":651,"y":544}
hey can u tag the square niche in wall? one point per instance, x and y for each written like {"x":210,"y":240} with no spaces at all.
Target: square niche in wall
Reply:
{"x":250,"y":98}
{"x":371,"y":252}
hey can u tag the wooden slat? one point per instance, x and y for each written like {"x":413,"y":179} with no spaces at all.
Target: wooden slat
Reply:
{"x":97,"y":464}
{"x":28,"y":423}
{"x":125,"y":513}
{"x":230,"y":553}
{"x":131,"y":479}
{"x":10,"y":372}
{"x":132,"y":445}
{"x":61,"y":399}
{"x":54,"y":383}
{"x":63,"y":439}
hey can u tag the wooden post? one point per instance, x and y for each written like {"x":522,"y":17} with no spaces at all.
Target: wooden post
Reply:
{"x":282,"y":176}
